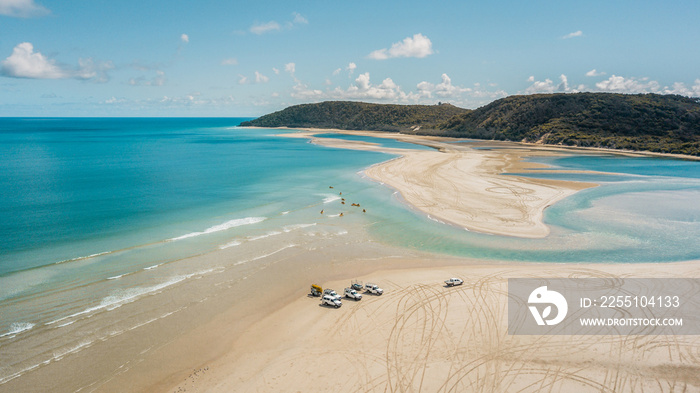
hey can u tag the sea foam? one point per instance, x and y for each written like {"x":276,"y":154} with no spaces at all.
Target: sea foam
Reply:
{"x":124,"y":296}
{"x":231,"y":244}
{"x":258,"y":237}
{"x":289,"y":228}
{"x":265,"y":255}
{"x":17,"y":328}
{"x":83,"y":258}
{"x":222,"y":227}
{"x":330,"y":198}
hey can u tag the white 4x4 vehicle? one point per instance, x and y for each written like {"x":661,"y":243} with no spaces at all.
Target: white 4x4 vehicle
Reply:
{"x":454,"y":281}
{"x":331,"y":301}
{"x":331,"y":293}
{"x":352,"y":294}
{"x":373,"y":288}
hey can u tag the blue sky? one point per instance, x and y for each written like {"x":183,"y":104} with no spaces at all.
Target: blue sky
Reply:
{"x":248,"y":58}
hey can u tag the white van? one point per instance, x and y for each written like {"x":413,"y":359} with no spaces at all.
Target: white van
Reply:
{"x":331,"y":301}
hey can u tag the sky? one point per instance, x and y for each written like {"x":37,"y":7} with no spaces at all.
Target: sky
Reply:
{"x":248,"y":58}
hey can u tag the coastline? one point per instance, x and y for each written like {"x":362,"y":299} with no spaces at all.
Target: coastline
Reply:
{"x":540,"y":146}
{"x":240,"y":326}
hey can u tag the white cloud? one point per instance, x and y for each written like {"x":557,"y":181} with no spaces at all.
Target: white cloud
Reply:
{"x":114,"y":100}
{"x":351,"y":68}
{"x":186,"y":100}
{"x":388,"y":91}
{"x":578,"y":33}
{"x":417,"y":46}
{"x":467,"y":97}
{"x":531,"y":78}
{"x":337,"y":71}
{"x":444,"y":89}
{"x":564,"y":85}
{"x":231,"y":62}
{"x":21,"y":8}
{"x":620,"y":84}
{"x":276,"y":71}
{"x":365,"y":90}
{"x":185,"y":38}
{"x":614,"y":84}
{"x":25,"y":63}
{"x":594,"y":72}
{"x":291,"y":68}
{"x":680,"y":88}
{"x":361,"y":89}
{"x":548,"y":86}
{"x":265,"y":27}
{"x":271,"y":26}
{"x":260,"y":78}
{"x":97,"y":72}
{"x":303,"y":92}
{"x":298,"y":19}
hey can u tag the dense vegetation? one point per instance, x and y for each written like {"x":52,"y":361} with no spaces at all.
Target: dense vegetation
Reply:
{"x":347,"y":115}
{"x":649,"y":122}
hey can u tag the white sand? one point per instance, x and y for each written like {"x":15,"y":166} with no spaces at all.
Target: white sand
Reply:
{"x":423,"y":336}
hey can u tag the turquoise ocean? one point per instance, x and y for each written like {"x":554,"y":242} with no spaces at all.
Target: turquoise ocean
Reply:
{"x":92,"y":209}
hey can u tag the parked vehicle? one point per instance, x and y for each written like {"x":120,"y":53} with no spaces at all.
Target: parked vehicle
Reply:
{"x":352,"y":294}
{"x":316,"y":290}
{"x":373,"y":288}
{"x":454,"y":281}
{"x":332,"y":293}
{"x":331,"y":301}
{"x":356,"y":285}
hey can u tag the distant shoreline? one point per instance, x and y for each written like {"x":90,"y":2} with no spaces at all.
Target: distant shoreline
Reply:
{"x":581,"y":149}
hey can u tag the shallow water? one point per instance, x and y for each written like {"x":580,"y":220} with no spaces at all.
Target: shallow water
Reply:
{"x":383,"y":142}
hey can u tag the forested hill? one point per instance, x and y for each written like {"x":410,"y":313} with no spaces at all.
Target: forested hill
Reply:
{"x":348,"y":115}
{"x":650,"y":122}
{"x":643,"y":122}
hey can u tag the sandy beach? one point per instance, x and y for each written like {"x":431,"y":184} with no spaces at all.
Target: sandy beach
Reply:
{"x":423,"y":336}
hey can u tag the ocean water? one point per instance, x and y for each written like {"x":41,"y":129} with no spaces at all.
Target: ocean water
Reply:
{"x":96,"y":214}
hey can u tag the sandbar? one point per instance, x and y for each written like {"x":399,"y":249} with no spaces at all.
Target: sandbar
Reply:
{"x":464,"y":186}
